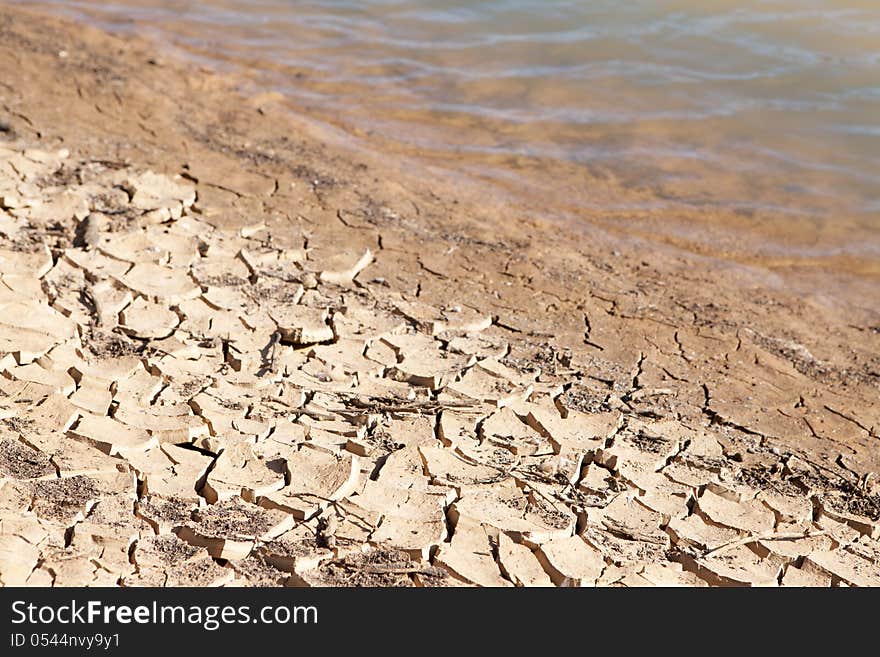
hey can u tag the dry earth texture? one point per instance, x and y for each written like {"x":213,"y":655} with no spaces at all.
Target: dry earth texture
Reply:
{"x":233,"y":358}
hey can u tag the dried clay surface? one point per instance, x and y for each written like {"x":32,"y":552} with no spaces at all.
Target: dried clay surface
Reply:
{"x":191,"y":395}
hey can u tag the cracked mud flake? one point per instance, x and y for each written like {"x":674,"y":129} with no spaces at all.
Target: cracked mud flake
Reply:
{"x":284,"y":439}
{"x":445,"y":467}
{"x":69,"y":567}
{"x":435,"y":321}
{"x":342,"y":268}
{"x":469,"y":556}
{"x":596,"y":480}
{"x":169,"y":561}
{"x":385,"y":568}
{"x":789,"y":542}
{"x":33,"y":265}
{"x":296,"y":550}
{"x":238,"y":471}
{"x":403,"y":468}
{"x":412,"y":520}
{"x":846,"y":566}
{"x":227,"y":298}
{"x":151,"y":191}
{"x":108,"y":551}
{"x":18,"y":287}
{"x":136,"y":386}
{"x":230,"y":530}
{"x":796,"y":508}
{"x":623,"y":550}
{"x":347,"y":354}
{"x":301,"y":325}
{"x":220,"y":270}
{"x":576,"y":432}
{"x":91,"y":396}
{"x":254,"y":571}
{"x":109,"y":366}
{"x":30,"y":329}
{"x":96,"y":264}
{"x":742,"y":515}
{"x":381,"y":352}
{"x":357,"y":320}
{"x":432,"y":369}
{"x":127,"y":248}
{"x":678,"y":472}
{"x":65,"y":284}
{"x":869,"y":527}
{"x":571,"y":561}
{"x":628,"y":518}
{"x":505,"y":428}
{"x":72,"y":458}
{"x":669,"y":574}
{"x":461,"y":320}
{"x":340,"y":427}
{"x":259,"y":430}
{"x":22,"y":540}
{"x":70,"y":499}
{"x":625,"y":457}
{"x":664,"y":496}
{"x":143,"y":319}
{"x":171,"y":472}
{"x":112,"y":437}
{"x":738,"y":566}
{"x":177,"y":345}
{"x":796,"y":577}
{"x":695,"y":533}
{"x":161,"y":283}
{"x":479,"y":385}
{"x":316,"y":479}
{"x":458,"y":426}
{"x":346,"y":527}
{"x":268,"y":261}
{"x":519,"y":564}
{"x":167,"y":423}
{"x":164,"y":515}
{"x":481,"y":346}
{"x":504,"y":505}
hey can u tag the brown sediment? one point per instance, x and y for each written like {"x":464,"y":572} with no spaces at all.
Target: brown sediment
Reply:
{"x":227,"y":338}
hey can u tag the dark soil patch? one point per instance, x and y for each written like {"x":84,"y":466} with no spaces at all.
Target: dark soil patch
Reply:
{"x":231,"y":520}
{"x":169,"y":548}
{"x":580,"y":398}
{"x":19,"y":425}
{"x":258,"y":573}
{"x":172,"y":512}
{"x":22,"y":462}
{"x":111,"y":345}
{"x":60,"y":499}
{"x":648,"y":443}
{"x":385,"y":568}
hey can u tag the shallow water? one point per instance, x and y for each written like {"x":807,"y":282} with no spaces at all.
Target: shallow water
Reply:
{"x":762,"y":117}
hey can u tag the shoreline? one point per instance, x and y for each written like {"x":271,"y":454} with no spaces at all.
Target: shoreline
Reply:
{"x":837,"y":256}
{"x":420,"y":316}
{"x":811,"y":261}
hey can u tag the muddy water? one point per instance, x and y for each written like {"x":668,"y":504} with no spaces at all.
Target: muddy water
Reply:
{"x":737,"y":128}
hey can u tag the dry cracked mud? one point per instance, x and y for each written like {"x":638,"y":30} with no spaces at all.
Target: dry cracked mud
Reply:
{"x":178,"y":408}
{"x":190,"y":401}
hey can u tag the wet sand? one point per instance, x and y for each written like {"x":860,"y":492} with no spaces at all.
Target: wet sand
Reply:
{"x":233,"y":339}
